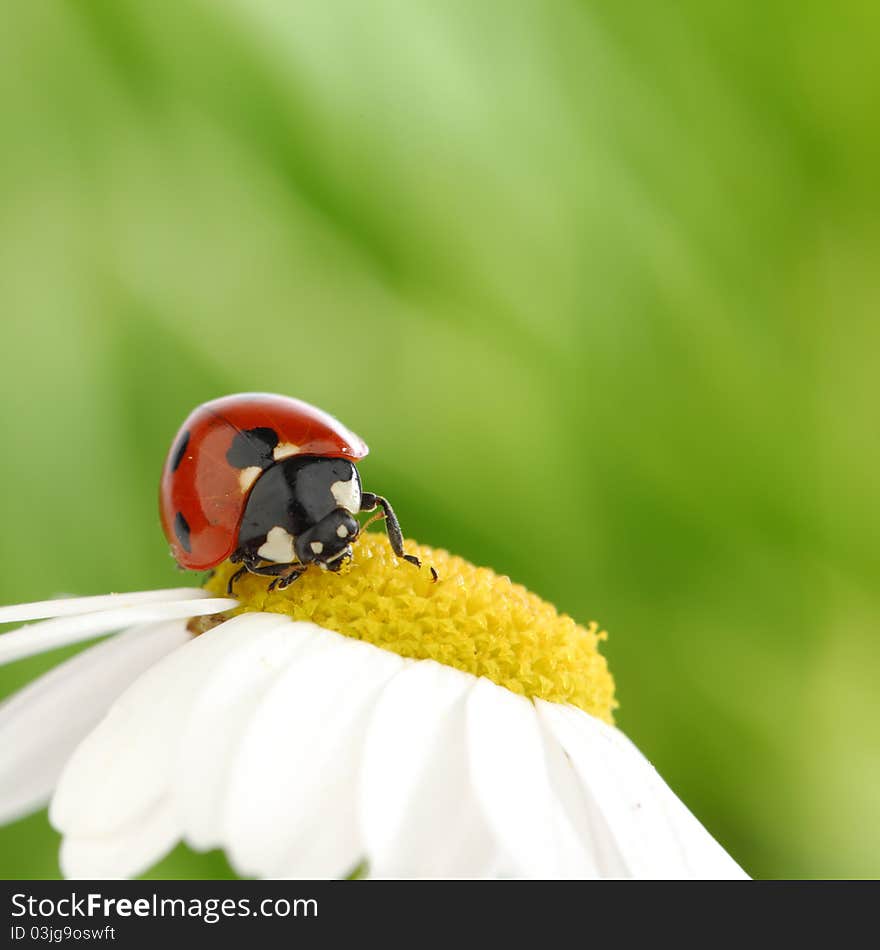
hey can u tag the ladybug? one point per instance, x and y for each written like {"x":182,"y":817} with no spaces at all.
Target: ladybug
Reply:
{"x":270,"y":483}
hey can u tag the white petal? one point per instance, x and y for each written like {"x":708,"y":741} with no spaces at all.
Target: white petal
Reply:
{"x":42,"y":724}
{"x":625,"y":794}
{"x":508,"y":770}
{"x":587,"y":849}
{"x":125,"y":854}
{"x":617,"y":794}
{"x":63,"y":631}
{"x":211,"y":735}
{"x":123,"y":768}
{"x":67,"y":606}
{"x":703,"y":855}
{"x":291,"y":805}
{"x":417,"y":812}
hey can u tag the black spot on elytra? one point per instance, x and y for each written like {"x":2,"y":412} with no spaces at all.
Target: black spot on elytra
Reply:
{"x":181,"y":529}
{"x":253,"y":447}
{"x":179,"y":451}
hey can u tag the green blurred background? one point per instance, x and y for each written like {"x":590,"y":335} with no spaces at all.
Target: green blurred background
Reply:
{"x":598,"y":283}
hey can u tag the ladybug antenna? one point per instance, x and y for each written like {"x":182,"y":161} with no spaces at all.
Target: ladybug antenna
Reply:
{"x":378,"y":516}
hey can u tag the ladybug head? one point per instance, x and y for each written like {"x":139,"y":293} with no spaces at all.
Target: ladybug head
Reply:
{"x":328,"y":543}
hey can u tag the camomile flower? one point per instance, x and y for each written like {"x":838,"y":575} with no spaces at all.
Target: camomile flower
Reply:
{"x":372,"y":718}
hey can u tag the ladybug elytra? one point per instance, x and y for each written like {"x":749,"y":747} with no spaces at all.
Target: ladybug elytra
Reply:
{"x":270,"y":483}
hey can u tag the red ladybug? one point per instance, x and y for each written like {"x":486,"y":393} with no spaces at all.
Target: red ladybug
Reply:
{"x":269,"y":482}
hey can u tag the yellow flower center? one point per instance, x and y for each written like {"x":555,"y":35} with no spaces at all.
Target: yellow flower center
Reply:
{"x":471,"y":618}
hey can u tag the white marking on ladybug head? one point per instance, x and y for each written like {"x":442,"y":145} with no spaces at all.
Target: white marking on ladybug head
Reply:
{"x":247,"y":476}
{"x":278,"y":546}
{"x":284,"y":450}
{"x":316,"y":547}
{"x":347,"y":494}
{"x":345,"y":552}
{"x":342,"y":531}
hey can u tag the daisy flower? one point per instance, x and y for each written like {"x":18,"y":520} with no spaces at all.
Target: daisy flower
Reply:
{"x":371,"y":718}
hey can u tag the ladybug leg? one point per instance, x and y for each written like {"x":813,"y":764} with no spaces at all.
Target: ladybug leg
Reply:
{"x":285,"y":580}
{"x":240,"y":556}
{"x":284,"y":574}
{"x":233,"y":578}
{"x":369,"y":502}
{"x":272,"y":570}
{"x":251,"y":565}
